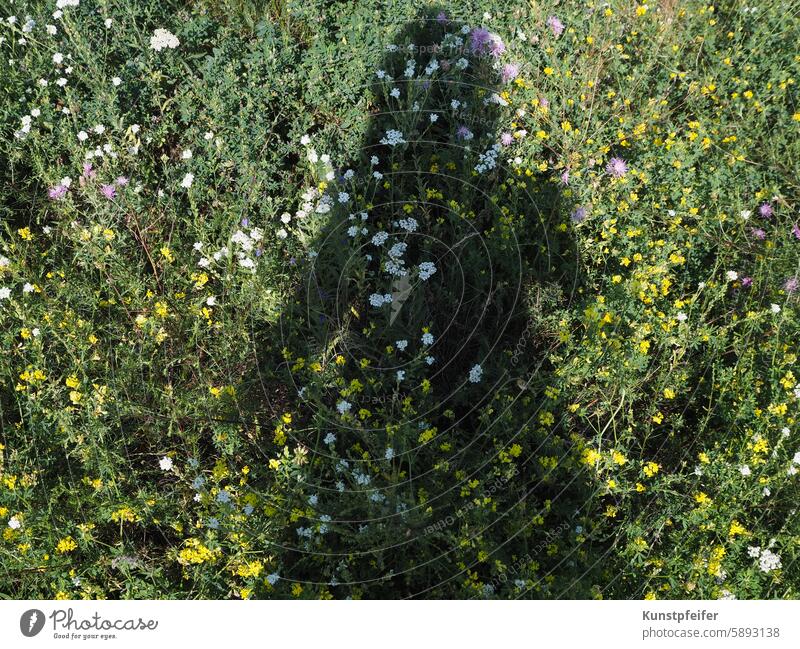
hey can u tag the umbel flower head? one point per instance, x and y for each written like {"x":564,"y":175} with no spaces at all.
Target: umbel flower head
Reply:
{"x":162,"y":38}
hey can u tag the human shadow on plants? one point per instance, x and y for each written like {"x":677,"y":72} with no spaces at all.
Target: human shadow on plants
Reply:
{"x":417,"y":456}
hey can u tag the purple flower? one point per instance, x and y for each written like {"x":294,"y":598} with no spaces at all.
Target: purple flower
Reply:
{"x":108,"y":191}
{"x":796,"y":231}
{"x":544,"y":102}
{"x":758,"y":233}
{"x":747,"y":281}
{"x":463,"y":133}
{"x":506,"y":139}
{"x":498,"y":46}
{"x":555,"y":25}
{"x":88,"y":172}
{"x":479,"y":38}
{"x":482,"y":41}
{"x":441,"y":18}
{"x":565,"y":177}
{"x":510,"y":72}
{"x":245,"y":222}
{"x":791,"y":285}
{"x":57,"y":192}
{"x":765,"y":210}
{"x":121,"y":181}
{"x":617,"y":167}
{"x":579,"y":215}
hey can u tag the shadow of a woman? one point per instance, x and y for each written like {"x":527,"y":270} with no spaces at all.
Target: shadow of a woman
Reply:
{"x":411,"y":464}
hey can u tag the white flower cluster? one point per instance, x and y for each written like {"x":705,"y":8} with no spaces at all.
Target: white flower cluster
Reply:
{"x":475,"y":374}
{"x":163,"y":38}
{"x":488,"y":160}
{"x":409,"y":225}
{"x":426,"y":269}
{"x":393,"y":138}
{"x":378,"y":300}
{"x":380,"y":238}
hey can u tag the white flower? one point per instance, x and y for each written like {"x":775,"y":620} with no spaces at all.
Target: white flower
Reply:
{"x":401,"y":375}
{"x":393,"y":137}
{"x":51,"y":29}
{"x":27,"y":288}
{"x":14,"y":523}
{"x":4,"y":261}
{"x":380,"y":238}
{"x":305,"y":140}
{"x":769,"y":561}
{"x":282,"y":234}
{"x":796,"y":458}
{"x":187,"y":154}
{"x":5,"y":293}
{"x":187,"y":181}
{"x":378,"y":300}
{"x":165,"y":463}
{"x":753,"y":551}
{"x":475,"y":374}
{"x":744,"y":470}
{"x":211,"y":300}
{"x":116,"y":81}
{"x":732,"y":275}
{"x":162,"y":38}
{"x":426,"y":269}
{"x":774,"y":308}
{"x":107,"y":22}
{"x":389,"y":453}
{"x":58,"y":58}
{"x":682,"y":317}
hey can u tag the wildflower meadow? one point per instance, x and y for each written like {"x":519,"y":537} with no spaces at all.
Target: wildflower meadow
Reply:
{"x":387,"y":300}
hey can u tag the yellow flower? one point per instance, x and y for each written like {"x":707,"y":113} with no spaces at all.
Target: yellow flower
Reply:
{"x":669,"y":393}
{"x":702,"y":498}
{"x":737,"y":528}
{"x":67,"y":544}
{"x":651,"y":468}
{"x":72,"y":382}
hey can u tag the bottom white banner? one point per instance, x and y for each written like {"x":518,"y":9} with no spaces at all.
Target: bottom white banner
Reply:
{"x":336,"y":624}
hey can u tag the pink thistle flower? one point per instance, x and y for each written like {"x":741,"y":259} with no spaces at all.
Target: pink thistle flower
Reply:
{"x":765,"y":210}
{"x":121,"y":181}
{"x":506,"y":139}
{"x":791,"y":285}
{"x":565,"y":177}
{"x":57,"y":192}
{"x":510,"y":72}
{"x":617,"y":167}
{"x":555,"y":25}
{"x":747,"y":281}
{"x":108,"y":191}
{"x":796,"y":231}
